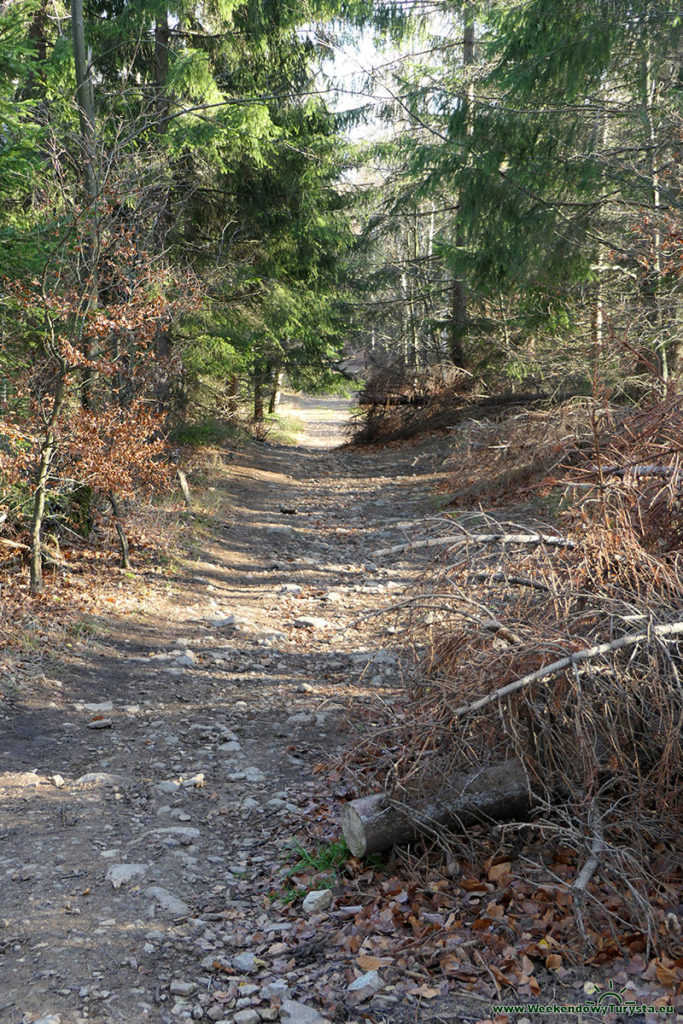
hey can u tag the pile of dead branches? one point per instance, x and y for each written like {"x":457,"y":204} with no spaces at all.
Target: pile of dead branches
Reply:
{"x":492,"y":459}
{"x":559,"y":651}
{"x":399,"y":402}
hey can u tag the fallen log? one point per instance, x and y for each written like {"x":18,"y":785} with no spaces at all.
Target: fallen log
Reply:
{"x":495,"y":792}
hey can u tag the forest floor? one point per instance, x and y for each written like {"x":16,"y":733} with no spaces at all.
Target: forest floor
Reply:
{"x":159,"y":763}
{"x":156,"y":764}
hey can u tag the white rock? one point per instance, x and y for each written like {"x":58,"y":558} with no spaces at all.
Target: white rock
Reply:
{"x":317,"y":900}
{"x":167,"y":786}
{"x":312,"y":622}
{"x":58,"y":781}
{"x":167,"y":901}
{"x":50,"y":1018}
{"x":100,"y":779}
{"x":225,"y":622}
{"x":209,"y":963}
{"x":247,"y":1017}
{"x":278,"y":989}
{"x":100,"y":723}
{"x":106,"y":705}
{"x":367,"y":985}
{"x":301,"y":718}
{"x":294,"y":1012}
{"x":121,"y":874}
{"x":269,"y":1013}
{"x":183,"y":834}
{"x":195,"y":781}
{"x":254,"y":775}
{"x":182,"y":988}
{"x":226,"y":733}
{"x":186,"y":659}
{"x":283,"y":531}
{"x":231,"y":747}
{"x":244,"y":962}
{"x":289,"y":588}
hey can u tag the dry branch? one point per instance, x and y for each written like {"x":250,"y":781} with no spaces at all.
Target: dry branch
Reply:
{"x":639,"y":471}
{"x":14,"y":544}
{"x":673,"y":629}
{"x":480,"y":539}
{"x":513,"y":581}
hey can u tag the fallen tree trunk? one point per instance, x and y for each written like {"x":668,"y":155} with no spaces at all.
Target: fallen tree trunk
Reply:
{"x":496,"y":792}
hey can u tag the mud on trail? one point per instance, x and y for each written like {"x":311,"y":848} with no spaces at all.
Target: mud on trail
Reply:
{"x":154,"y":772}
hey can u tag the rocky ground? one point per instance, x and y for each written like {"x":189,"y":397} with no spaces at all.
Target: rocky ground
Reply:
{"x":155,"y":769}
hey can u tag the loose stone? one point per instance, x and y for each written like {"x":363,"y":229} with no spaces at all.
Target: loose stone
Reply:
{"x":317,"y":900}
{"x":167,"y":901}
{"x":182,"y":988}
{"x":244,"y":962}
{"x":293,"y":1012}
{"x":367,"y":985}
{"x":121,"y":874}
{"x":247,"y":1017}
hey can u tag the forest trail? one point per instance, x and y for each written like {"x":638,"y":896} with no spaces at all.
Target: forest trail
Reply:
{"x":323,"y":420}
{"x":155,"y":770}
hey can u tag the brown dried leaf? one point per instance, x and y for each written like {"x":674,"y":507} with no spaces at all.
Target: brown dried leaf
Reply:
{"x":498,"y":871}
{"x":372,"y":963}
{"x":665,"y":976}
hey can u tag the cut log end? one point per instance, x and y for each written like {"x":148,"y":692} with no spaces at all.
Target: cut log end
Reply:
{"x":354,"y":830}
{"x":499,"y":792}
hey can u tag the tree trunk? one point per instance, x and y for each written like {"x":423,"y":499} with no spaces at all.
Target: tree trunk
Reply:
{"x":597,"y":312}
{"x":123,"y":540}
{"x":458,"y":326}
{"x":652,"y":282}
{"x":46,"y":456}
{"x":459,"y":311}
{"x":233,"y":395}
{"x":86,"y":117}
{"x":36,"y":83}
{"x":496,"y":792}
{"x":276,"y":393}
{"x":258,"y":393}
{"x":162,"y":39}
{"x":184,"y":487}
{"x":161,"y":48}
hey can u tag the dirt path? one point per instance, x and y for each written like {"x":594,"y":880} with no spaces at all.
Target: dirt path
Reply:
{"x":153,"y":772}
{"x":324,"y":420}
